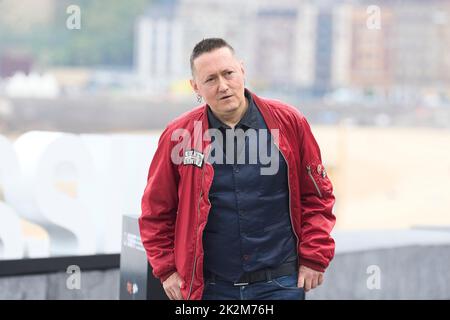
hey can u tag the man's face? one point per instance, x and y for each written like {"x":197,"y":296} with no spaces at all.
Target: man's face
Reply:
{"x":219,"y":79}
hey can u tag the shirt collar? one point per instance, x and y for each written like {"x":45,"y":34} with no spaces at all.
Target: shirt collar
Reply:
{"x":249,"y":120}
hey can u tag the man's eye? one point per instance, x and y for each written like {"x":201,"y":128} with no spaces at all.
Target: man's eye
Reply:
{"x":229,"y":72}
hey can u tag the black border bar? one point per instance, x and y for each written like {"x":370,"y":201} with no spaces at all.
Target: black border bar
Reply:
{"x":21,"y":267}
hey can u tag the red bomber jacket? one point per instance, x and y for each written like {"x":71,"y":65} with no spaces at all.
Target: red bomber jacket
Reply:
{"x":175,"y":203}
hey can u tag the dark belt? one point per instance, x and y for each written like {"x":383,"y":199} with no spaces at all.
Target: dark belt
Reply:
{"x":267,"y":274}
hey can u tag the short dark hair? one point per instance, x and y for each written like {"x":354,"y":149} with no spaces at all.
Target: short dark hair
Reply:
{"x":208,"y":45}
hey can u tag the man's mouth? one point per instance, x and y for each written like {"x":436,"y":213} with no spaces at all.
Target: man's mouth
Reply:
{"x":223,"y":98}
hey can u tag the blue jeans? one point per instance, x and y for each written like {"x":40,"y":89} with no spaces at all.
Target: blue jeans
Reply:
{"x":281,"y":288}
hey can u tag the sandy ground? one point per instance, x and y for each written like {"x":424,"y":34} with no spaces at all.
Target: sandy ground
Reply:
{"x":388,"y":177}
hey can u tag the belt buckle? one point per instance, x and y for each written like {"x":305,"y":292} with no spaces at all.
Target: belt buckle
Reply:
{"x":243,"y":281}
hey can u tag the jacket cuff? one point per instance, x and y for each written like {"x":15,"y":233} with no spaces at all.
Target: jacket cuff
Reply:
{"x":312,"y":264}
{"x":167,"y":274}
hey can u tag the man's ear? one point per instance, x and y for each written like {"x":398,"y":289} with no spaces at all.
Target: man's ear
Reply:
{"x":193,"y":85}
{"x":242,"y":67}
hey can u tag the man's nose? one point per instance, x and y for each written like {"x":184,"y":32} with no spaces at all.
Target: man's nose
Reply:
{"x":223,"y":86}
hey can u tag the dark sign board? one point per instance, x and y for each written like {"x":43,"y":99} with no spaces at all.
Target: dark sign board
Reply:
{"x":136,"y":279}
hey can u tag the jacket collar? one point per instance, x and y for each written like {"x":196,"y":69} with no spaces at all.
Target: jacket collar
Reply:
{"x":258,"y":102}
{"x":249,"y":120}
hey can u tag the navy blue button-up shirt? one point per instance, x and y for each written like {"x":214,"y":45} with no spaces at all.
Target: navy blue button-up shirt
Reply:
{"x":249,"y":226}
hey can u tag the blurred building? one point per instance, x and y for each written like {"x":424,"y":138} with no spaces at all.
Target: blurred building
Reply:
{"x":269,"y":38}
{"x":408,"y":55}
{"x":421,"y":43}
{"x":32,"y":85}
{"x":342,"y":46}
{"x":318,"y":46}
{"x":158,"y":46}
{"x":13,"y":61}
{"x":324,"y":49}
{"x":371,"y":65}
{"x":274,"y":52}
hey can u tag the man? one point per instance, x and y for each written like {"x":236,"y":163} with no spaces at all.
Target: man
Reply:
{"x":218,"y":220}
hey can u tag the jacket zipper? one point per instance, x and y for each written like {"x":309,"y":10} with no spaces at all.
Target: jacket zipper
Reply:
{"x":196,"y":240}
{"x":314,"y":181}
{"x":289,"y":189}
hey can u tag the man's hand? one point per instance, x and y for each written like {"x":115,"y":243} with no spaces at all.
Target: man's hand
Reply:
{"x":172,"y":286}
{"x":309,"y":278}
